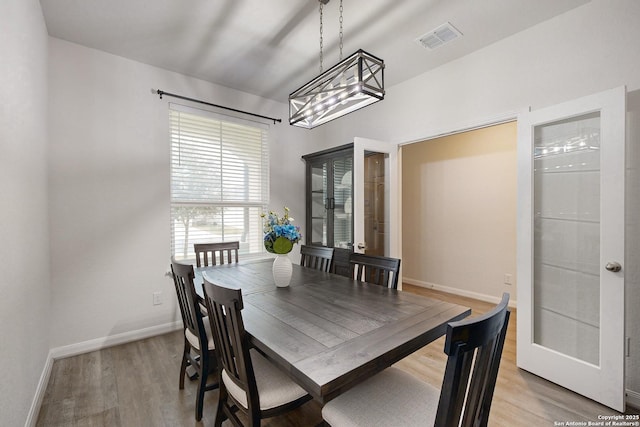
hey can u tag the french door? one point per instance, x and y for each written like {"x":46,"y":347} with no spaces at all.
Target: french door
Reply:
{"x":571,"y":167}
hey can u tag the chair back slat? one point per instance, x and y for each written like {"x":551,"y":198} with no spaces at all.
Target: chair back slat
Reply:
{"x":378,"y":270}
{"x":480,"y":380}
{"x":316,"y":257}
{"x":340,"y":264}
{"x":474,"y":347}
{"x":211,"y":253}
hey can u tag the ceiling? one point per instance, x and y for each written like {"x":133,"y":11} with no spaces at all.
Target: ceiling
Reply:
{"x":270,"y":48}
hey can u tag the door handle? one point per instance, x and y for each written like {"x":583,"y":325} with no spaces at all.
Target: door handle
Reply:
{"x":362,"y":246}
{"x":613,"y":266}
{"x":330,"y":203}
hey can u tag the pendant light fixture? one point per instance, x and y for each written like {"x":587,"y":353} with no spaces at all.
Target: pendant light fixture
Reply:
{"x":353,"y":83}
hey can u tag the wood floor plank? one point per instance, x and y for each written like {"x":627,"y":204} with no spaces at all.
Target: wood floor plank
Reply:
{"x":136,"y":384}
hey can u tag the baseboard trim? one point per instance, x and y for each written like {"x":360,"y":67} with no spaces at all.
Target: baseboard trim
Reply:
{"x":86,"y":347}
{"x":633,"y":399}
{"x":34,"y":410}
{"x":456,"y":291}
{"x":109,"y":341}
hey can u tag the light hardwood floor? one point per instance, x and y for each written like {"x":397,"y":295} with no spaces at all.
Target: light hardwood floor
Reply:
{"x":136,"y":384}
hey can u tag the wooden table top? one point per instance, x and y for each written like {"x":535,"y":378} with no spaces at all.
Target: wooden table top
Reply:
{"x":327,"y":331}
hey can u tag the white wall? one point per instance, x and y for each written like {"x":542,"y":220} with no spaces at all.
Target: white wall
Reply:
{"x":24,"y":252}
{"x":459,"y":212}
{"x":109,"y":194}
{"x":586,"y":50}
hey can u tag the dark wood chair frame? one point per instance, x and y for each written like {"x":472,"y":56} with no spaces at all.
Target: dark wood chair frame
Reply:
{"x":213,"y":251}
{"x":202,"y":360}
{"x":232,"y":344}
{"x":316,"y":257}
{"x":340,"y":264}
{"x":472,"y":343}
{"x":383,"y":271}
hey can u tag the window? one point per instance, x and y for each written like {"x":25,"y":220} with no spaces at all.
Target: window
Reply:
{"x":219,"y":180}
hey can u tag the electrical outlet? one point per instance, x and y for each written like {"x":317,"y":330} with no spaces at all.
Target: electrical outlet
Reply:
{"x":508,"y":279}
{"x":157,"y":298}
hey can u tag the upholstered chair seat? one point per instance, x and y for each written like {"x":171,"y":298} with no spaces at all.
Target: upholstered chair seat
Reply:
{"x":195,"y":341}
{"x":414,"y":402}
{"x":275,"y":388}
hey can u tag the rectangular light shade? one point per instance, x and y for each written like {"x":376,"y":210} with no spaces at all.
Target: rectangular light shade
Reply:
{"x":353,"y":83}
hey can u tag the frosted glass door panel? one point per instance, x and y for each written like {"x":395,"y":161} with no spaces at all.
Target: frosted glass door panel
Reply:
{"x":566,"y":270}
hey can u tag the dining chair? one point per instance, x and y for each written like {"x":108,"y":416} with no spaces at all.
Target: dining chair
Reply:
{"x":206,"y":252}
{"x":395,"y":397}
{"x":379,"y":270}
{"x":199,"y":349}
{"x":316,"y":257}
{"x":249,"y":382}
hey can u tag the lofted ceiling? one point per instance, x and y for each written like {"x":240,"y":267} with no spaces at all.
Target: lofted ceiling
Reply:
{"x":270,"y":48}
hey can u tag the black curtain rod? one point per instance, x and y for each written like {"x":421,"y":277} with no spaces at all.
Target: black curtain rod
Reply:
{"x":161,"y":93}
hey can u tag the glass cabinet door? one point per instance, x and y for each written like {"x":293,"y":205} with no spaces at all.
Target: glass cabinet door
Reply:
{"x":319,"y":196}
{"x":342,"y":202}
{"x":329,"y":210}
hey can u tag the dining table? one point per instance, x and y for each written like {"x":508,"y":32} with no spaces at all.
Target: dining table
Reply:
{"x":327,"y":331}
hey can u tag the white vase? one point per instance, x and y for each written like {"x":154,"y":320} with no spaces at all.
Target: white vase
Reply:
{"x":282,"y":270}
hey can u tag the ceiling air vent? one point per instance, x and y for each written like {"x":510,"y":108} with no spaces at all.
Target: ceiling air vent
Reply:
{"x":441,"y":35}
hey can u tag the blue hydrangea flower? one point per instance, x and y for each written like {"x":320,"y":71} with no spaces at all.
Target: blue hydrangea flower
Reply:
{"x":279,"y":233}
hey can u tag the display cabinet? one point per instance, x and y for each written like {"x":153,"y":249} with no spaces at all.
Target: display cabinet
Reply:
{"x":329,"y":197}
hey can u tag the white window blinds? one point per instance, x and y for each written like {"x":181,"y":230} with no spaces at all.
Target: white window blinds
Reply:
{"x":219,"y":180}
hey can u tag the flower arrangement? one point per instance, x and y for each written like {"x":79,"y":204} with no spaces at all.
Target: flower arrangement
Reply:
{"x":279,"y":233}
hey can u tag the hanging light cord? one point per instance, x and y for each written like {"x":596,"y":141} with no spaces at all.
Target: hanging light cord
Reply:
{"x":321,"y":28}
{"x":321,"y":37}
{"x":340,"y":30}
